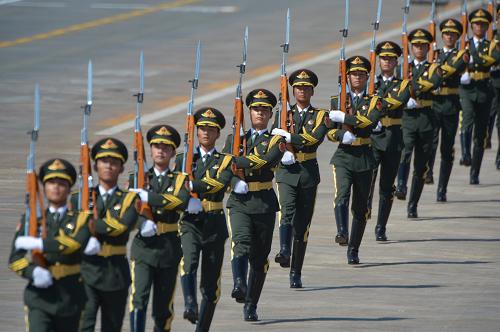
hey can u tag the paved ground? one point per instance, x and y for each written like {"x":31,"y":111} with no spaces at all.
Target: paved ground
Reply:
{"x":439,"y":272}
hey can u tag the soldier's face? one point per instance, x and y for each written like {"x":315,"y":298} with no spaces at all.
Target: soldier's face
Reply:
{"x":479,"y":29}
{"x":207,"y":136}
{"x":358,"y":79}
{"x":303,"y":93}
{"x":108,"y":169}
{"x":420,"y":51}
{"x":450,"y":39}
{"x":56,"y":191}
{"x":260,"y":115}
{"x":387,"y":63}
{"x":161,"y":154}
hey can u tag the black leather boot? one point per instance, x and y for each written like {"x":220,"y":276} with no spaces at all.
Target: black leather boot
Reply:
{"x":384,"y":210}
{"x":207,"y":309}
{"x":429,"y":177}
{"x":299,"y":251}
{"x":283,"y":257}
{"x":477,"y":159}
{"x":137,"y":320}
{"x":239,"y":265}
{"x":417,"y":185}
{"x":342,"y":220}
{"x":357,"y":231}
{"x":444,"y":177}
{"x":255,"y":284}
{"x":465,"y":143}
{"x":370,"y":195}
{"x":401,"y":189}
{"x":188,"y":282}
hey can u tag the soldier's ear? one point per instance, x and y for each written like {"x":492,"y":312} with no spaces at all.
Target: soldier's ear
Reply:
{"x":95,"y":166}
{"x":122,"y":168}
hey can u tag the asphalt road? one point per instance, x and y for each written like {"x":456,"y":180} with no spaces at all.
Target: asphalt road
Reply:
{"x":439,"y":272}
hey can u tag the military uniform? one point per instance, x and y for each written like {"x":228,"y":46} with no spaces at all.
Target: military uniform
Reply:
{"x":297,"y":183}
{"x":353,"y":163}
{"x":387,"y":142}
{"x":251,"y":216}
{"x":476,"y":96}
{"x":58,"y":306}
{"x":206,"y":231}
{"x":107,"y":274}
{"x":155,"y":258}
{"x":419,"y":122}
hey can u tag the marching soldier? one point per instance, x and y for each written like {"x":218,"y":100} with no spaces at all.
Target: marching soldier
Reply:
{"x":476,"y":92}
{"x":156,"y":249}
{"x":353,"y":162}
{"x":205,"y":231}
{"x":298,"y":179}
{"x":55,"y":295}
{"x":105,"y":268}
{"x":252,"y":205}
{"x":387,"y":137}
{"x":495,"y":78}
{"x":419,"y":120}
{"x":446,"y":101}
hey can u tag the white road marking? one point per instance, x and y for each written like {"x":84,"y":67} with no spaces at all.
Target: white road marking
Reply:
{"x":185,"y":9}
{"x":37,"y":4}
{"x":6,"y":2}
{"x":204,"y":99}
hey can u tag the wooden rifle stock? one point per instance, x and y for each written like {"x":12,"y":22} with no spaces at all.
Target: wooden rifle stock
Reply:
{"x":373,"y":59}
{"x":35,"y":201}
{"x":145,"y":209}
{"x":491,"y":10}
{"x":432,"y":46}
{"x":239,"y":140}
{"x":406,"y":67}
{"x":344,"y":107}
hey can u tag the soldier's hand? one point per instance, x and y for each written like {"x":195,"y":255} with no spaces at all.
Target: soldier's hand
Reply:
{"x":378,"y":128}
{"x":29,"y":243}
{"x":283,"y":133}
{"x":194,"y":206}
{"x":336,"y":116}
{"x":465,"y":78}
{"x":93,"y":247}
{"x":42,"y":277}
{"x":241,"y":187}
{"x":148,"y":228}
{"x":348,"y":138}
{"x":411,"y":104}
{"x":288,"y":158}
{"x":143,"y":194}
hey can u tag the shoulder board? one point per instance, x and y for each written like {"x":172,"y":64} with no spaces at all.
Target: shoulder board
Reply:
{"x":373,"y":103}
{"x":275,"y":139}
{"x":225,"y":162}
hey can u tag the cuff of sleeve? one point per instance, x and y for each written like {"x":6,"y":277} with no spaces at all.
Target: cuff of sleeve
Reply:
{"x":350,"y":119}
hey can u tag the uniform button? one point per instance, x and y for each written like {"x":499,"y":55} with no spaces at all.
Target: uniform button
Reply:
{"x":108,"y":229}
{"x":250,"y":174}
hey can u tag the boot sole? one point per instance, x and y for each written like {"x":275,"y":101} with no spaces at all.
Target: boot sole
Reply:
{"x":282,"y":261}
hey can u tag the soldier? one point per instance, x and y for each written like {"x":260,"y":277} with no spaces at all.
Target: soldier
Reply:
{"x":387,"y":137}
{"x":105,"y":268}
{"x":495,"y":78}
{"x":298,"y":180}
{"x":476,"y":92}
{"x":205,"y":231}
{"x":55,"y":295}
{"x":446,"y":102}
{"x":353,"y":162}
{"x":419,"y":120}
{"x":252,"y":205}
{"x":156,"y":249}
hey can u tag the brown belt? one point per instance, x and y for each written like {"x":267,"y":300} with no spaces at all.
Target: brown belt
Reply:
{"x":479,"y":76}
{"x":447,"y":91}
{"x":303,"y":156}
{"x":421,"y":103}
{"x":163,"y":227}
{"x":258,"y":186}
{"x":387,"y":121}
{"x":361,"y":141}
{"x":111,"y":250}
{"x":59,"y":271}
{"x":211,"y":206}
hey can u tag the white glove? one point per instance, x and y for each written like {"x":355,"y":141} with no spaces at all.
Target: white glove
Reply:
{"x":194,"y":206}
{"x":42,"y":277}
{"x":378,"y":128}
{"x":288,"y":158}
{"x":93,"y":247}
{"x":465,"y":78}
{"x":336,"y":116}
{"x":348,"y":138}
{"x":143,"y":194}
{"x":29,"y":243}
{"x":411,"y":104}
{"x":241,"y":187}
{"x":190,"y":185}
{"x":148,"y":228}
{"x":283,"y":133}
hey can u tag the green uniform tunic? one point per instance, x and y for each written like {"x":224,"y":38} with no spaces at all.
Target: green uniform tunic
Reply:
{"x":155,"y":260}
{"x":58,"y":307}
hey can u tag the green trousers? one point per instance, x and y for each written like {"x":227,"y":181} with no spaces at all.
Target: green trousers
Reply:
{"x":297,"y":208}
{"x":38,"y":320}
{"x":252,"y":236}
{"x":112,"y":305}
{"x":163,"y":282}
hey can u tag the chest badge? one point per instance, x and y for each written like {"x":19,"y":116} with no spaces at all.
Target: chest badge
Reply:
{"x":265,"y":143}
{"x":310,"y":122}
{"x":117,"y":207}
{"x":170,"y":189}
{"x":70,"y":226}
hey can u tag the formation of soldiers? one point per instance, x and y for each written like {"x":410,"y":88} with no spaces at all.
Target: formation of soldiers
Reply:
{"x":180,"y":217}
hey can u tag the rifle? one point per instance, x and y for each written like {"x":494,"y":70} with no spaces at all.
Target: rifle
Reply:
{"x":404,"y":41}
{"x":286,"y":120}
{"x":373,"y":56}
{"x":34,"y":199}
{"x":432,"y":30}
{"x":343,"y":85}
{"x":187,"y":158}
{"x":85,"y":175}
{"x":491,"y":10}
{"x":239,"y":138}
{"x":139,"y":155}
{"x":464,"y":21}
